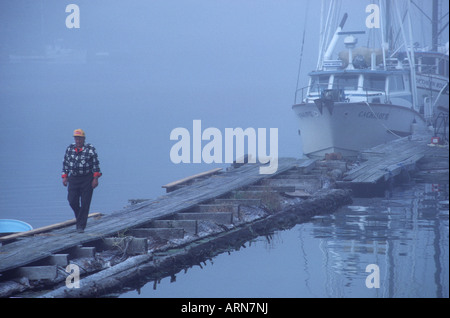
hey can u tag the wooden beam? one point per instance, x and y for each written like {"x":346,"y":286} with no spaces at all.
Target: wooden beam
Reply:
{"x":298,"y":193}
{"x":158,"y":233}
{"x":219,"y":207}
{"x":189,"y":226}
{"x":218,"y":217}
{"x":271,"y":188}
{"x":81,"y":251}
{"x":44,"y":229}
{"x":250,"y":202}
{"x":38,"y":272}
{"x":172,"y":185}
{"x":137,"y":201}
{"x":58,"y":259}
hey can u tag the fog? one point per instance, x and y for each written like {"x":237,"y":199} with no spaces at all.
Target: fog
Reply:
{"x":137,"y":70}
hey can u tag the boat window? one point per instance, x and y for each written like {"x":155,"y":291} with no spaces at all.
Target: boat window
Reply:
{"x":347,"y":82}
{"x":319,"y":82}
{"x":428,"y":65}
{"x":443,"y":67}
{"x":374,"y":82}
{"x":396,"y":83}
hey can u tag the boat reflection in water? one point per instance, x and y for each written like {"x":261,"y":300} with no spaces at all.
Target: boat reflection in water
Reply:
{"x":406,"y":236}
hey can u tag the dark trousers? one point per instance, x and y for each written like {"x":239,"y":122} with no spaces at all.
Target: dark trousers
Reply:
{"x":79,"y":196}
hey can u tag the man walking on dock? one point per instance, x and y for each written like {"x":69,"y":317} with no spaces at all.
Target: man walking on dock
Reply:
{"x":81,"y":170}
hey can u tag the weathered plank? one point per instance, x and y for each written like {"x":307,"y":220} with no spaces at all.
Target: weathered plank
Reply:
{"x":310,"y":185}
{"x":379,"y":169}
{"x":271,"y":188}
{"x":189,"y":226}
{"x":81,"y":251}
{"x":38,"y":272}
{"x":58,"y":259}
{"x":158,"y":233}
{"x":217,"y":208}
{"x":252,"y":202}
{"x":386,"y":161}
{"x":217,"y":217}
{"x":171,"y":186}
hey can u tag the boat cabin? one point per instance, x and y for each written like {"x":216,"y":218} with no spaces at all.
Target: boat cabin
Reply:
{"x":361,"y":85}
{"x":432,"y":63}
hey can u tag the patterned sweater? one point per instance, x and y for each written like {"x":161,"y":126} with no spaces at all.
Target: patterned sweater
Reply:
{"x":81,"y":161}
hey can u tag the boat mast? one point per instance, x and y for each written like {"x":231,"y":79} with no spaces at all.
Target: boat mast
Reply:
{"x":434,"y":26}
{"x":409,"y":48}
{"x":325,"y":31}
{"x":412,"y":61}
{"x":388,"y":32}
{"x":383,"y":38}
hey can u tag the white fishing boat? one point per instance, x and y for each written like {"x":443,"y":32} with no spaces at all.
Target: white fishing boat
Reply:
{"x":366,"y":96}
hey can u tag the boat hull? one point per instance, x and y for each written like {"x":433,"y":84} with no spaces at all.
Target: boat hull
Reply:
{"x":348,"y":128}
{"x":435,"y":88}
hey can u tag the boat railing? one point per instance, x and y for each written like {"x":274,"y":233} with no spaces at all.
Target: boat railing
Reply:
{"x":308,"y":91}
{"x":316,"y":91}
{"x":441,"y":127}
{"x":303,"y":91}
{"x":374,"y":95}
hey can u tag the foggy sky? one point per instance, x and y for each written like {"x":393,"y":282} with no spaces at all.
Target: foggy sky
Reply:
{"x":218,"y":40}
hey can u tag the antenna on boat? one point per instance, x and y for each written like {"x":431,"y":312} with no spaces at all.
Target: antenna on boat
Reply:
{"x":350,"y":43}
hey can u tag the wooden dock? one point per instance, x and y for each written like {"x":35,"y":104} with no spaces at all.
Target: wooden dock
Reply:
{"x":31,"y":249}
{"x":383,"y":163}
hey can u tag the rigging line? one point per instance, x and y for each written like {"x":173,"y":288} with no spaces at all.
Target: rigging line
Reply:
{"x":423,"y":12}
{"x":301,"y":50}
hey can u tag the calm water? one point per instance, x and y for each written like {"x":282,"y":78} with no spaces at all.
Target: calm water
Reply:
{"x":406,"y":236}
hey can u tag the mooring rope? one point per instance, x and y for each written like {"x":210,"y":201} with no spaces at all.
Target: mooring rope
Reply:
{"x":381,"y":123}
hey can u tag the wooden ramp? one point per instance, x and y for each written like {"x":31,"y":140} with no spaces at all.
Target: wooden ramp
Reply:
{"x":29,"y":249}
{"x":382,"y":163}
